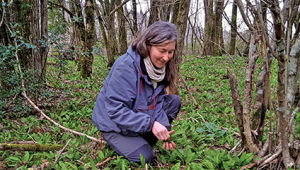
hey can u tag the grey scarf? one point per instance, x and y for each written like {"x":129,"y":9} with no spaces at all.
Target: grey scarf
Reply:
{"x":155,"y":74}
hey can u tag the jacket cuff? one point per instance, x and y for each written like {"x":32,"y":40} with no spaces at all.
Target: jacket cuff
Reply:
{"x":151,"y":122}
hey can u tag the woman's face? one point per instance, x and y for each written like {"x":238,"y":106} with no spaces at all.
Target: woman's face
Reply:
{"x":161,"y":53}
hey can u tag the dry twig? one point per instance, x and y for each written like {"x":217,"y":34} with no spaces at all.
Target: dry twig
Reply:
{"x":60,"y":126}
{"x":59,"y":154}
{"x":193,"y":119}
{"x":234,"y":148}
{"x":105,"y":161}
{"x":235,"y":133}
{"x":188,"y":89}
{"x":239,"y":154}
{"x":256,"y":162}
{"x":272,"y":157}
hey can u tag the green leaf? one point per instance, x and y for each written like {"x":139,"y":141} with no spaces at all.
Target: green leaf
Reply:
{"x":123,"y":165}
{"x":63,"y":165}
{"x":208,"y":164}
{"x":197,"y":166}
{"x":143,"y":161}
{"x":200,"y":130}
{"x":72,"y":165}
{"x":15,"y":159}
{"x":226,"y":166}
{"x":173,"y":156}
{"x":101,"y":155}
{"x":176,"y":166}
{"x":92,"y":164}
{"x":26,"y":156}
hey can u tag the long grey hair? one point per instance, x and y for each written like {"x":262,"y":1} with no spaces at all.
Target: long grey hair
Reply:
{"x":157,"y":33}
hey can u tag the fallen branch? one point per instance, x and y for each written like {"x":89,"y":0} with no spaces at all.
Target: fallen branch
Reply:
{"x":272,"y":157}
{"x":187,"y":88}
{"x":256,"y":163}
{"x":29,"y":147}
{"x":239,"y":154}
{"x":57,"y":157}
{"x":235,"y":133}
{"x":202,"y":118}
{"x":60,"y":126}
{"x":105,"y":161}
{"x":193,"y":119}
{"x":234,"y":148}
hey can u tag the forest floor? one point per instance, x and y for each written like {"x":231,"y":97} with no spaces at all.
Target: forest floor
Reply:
{"x":69,"y":100}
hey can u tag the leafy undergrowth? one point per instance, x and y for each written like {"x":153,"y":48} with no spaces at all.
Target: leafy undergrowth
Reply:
{"x":70,"y":100}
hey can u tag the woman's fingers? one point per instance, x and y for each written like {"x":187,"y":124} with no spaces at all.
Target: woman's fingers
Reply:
{"x":172,"y":131}
{"x":167,"y":146}
{"x":164,"y":145}
{"x":170,"y":147}
{"x":173,"y":144}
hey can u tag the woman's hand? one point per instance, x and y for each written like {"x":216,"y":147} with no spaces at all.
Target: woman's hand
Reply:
{"x":169,"y":146}
{"x":160,"y":131}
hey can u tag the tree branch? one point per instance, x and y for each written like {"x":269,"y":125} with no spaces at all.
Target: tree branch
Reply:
{"x":235,"y":29}
{"x":62,"y":7}
{"x":118,"y":7}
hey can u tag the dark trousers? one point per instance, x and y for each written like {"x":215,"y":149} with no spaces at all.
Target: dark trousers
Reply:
{"x":132,"y":147}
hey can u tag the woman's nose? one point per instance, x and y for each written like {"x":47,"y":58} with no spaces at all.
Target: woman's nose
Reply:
{"x":166,"y":57}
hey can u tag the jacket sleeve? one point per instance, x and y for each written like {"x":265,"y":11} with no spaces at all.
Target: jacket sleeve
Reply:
{"x":120,"y":97}
{"x":161,"y":115}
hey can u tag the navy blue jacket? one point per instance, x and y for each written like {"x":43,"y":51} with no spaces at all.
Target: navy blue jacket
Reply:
{"x":128,"y":103}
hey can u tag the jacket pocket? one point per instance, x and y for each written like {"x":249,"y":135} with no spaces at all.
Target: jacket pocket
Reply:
{"x":142,"y":107}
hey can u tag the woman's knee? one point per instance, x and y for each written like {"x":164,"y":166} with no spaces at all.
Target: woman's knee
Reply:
{"x":176,"y":101}
{"x":145,"y":150}
{"x":172,"y":105}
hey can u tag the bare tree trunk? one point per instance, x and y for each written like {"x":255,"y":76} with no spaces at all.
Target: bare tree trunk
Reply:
{"x":209,"y":28}
{"x":44,"y":35}
{"x":293,"y":74}
{"x":75,"y":35}
{"x":218,"y":27}
{"x":281,"y":90}
{"x":89,"y":41}
{"x":100,"y":20}
{"x":122,"y":30}
{"x":181,"y":27}
{"x":249,"y":81}
{"x":80,"y":31}
{"x":238,"y":108}
{"x":111,"y":33}
{"x":160,"y":11}
{"x":195,"y":31}
{"x":233,"y":27}
{"x":175,"y":11}
{"x":165,"y":10}
{"x":35,"y":62}
{"x":187,"y":39}
{"x":134,"y":13}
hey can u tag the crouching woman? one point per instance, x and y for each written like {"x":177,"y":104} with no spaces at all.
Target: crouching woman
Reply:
{"x":132,"y":110}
